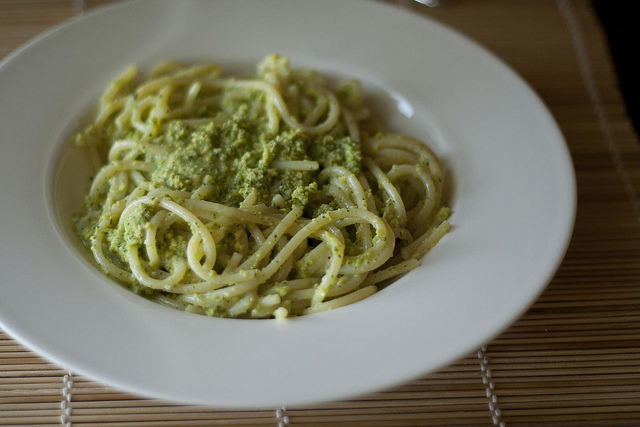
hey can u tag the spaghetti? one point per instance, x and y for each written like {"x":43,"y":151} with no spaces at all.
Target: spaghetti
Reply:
{"x":253,"y":198}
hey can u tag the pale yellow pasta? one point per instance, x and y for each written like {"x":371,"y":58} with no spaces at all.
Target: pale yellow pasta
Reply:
{"x":267,"y":197}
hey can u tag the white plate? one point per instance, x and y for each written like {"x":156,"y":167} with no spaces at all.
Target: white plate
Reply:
{"x":512,"y":192}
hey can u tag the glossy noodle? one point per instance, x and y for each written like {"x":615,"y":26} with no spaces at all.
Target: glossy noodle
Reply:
{"x":257,"y":198}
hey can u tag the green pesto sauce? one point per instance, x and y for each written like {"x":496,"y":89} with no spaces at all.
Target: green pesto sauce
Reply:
{"x":236,"y":158}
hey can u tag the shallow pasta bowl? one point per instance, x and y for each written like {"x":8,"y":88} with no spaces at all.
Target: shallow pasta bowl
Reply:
{"x":511,"y":191}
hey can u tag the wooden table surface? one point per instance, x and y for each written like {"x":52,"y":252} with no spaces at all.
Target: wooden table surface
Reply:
{"x":572,"y":359}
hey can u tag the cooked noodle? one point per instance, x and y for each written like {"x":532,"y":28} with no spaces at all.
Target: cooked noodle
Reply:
{"x":253,"y":198}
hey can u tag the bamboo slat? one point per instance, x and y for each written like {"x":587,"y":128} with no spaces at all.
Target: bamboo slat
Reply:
{"x":572,"y":360}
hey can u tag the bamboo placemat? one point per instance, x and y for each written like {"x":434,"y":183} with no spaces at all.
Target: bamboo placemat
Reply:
{"x":572,"y":359}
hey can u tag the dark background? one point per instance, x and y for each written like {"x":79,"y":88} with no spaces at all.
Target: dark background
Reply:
{"x":620,"y":21}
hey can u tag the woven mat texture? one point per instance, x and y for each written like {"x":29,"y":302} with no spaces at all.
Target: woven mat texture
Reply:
{"x":572,"y":360}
